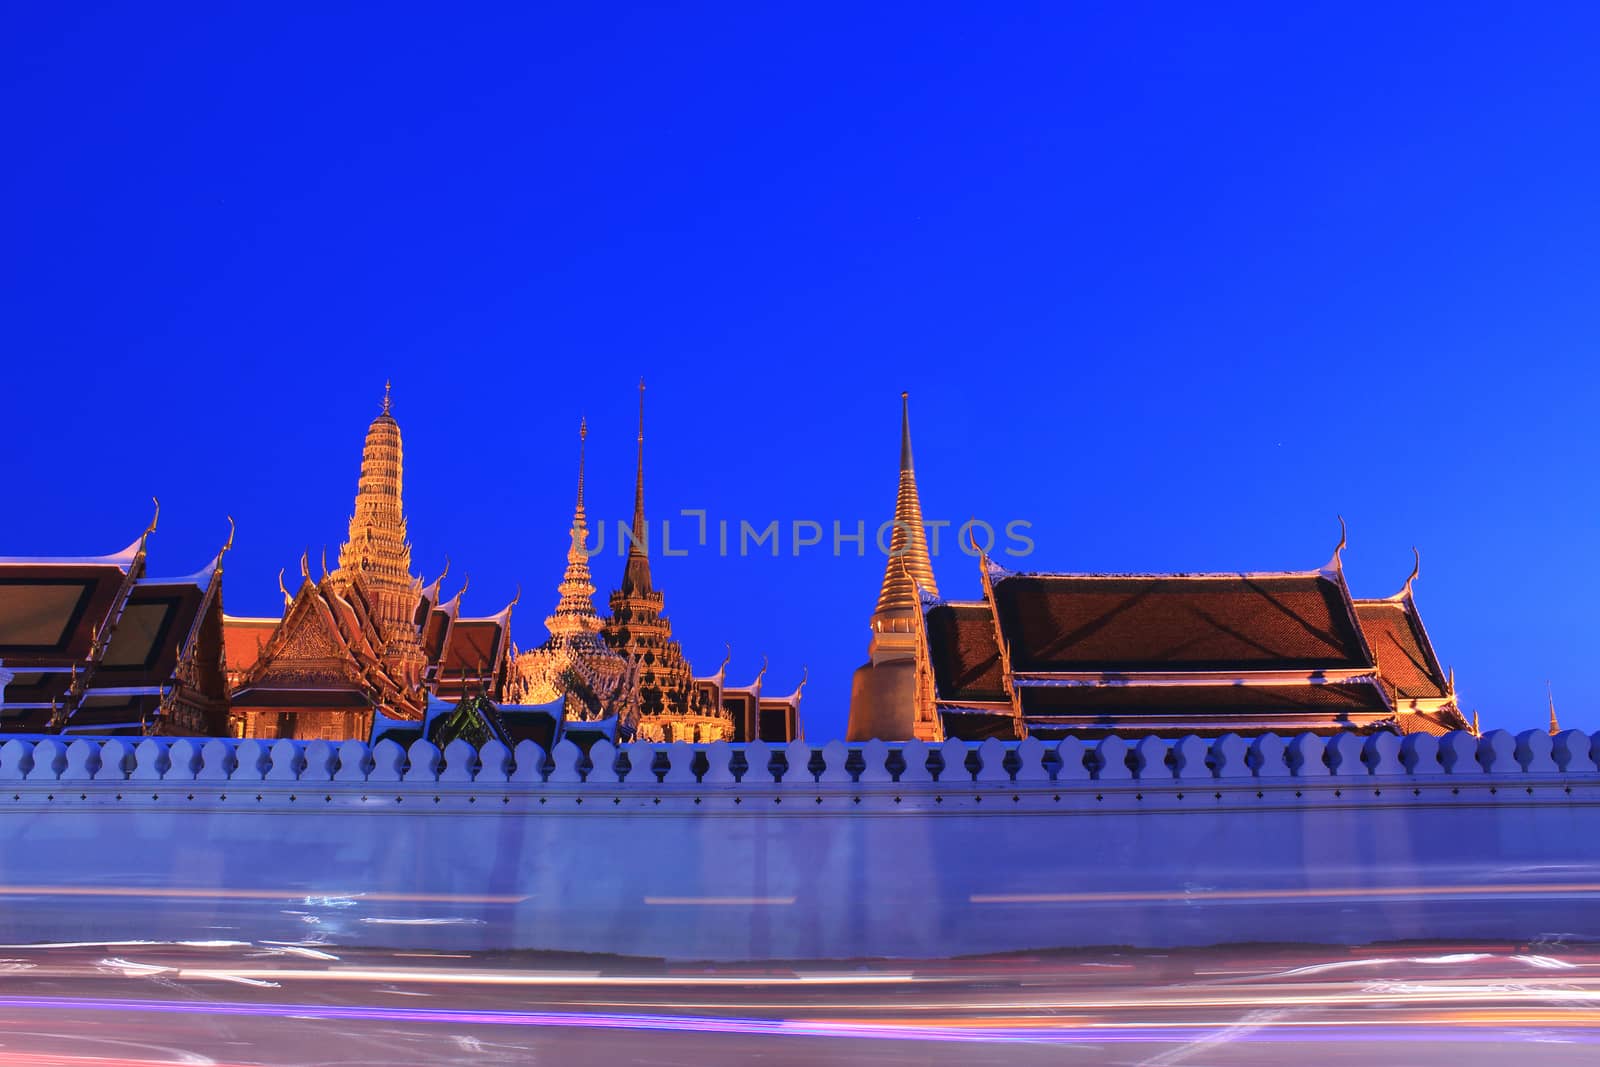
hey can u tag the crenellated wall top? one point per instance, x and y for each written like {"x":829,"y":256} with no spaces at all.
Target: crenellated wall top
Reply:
{"x":1114,"y":763}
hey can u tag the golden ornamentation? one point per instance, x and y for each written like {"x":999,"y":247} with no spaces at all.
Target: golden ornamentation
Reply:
{"x":574,"y":662}
{"x":661,"y":701}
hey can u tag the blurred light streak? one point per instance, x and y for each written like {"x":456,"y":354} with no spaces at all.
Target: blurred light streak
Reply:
{"x":1547,"y":963}
{"x":344,"y":899}
{"x":122,"y":944}
{"x":1366,"y":1031}
{"x":1376,"y":961}
{"x":49,"y":1059}
{"x":402,"y":975}
{"x":720,"y":901}
{"x":297,"y":950}
{"x":1581,"y":888}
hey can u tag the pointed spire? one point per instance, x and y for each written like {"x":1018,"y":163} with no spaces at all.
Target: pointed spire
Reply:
{"x":583,"y":437}
{"x":575,"y":612}
{"x":386,"y":396}
{"x":1476,"y":731}
{"x":909,"y":567}
{"x":638,"y":483}
{"x":636,"y":574}
{"x":905,"y":432}
{"x":1555,"y":725}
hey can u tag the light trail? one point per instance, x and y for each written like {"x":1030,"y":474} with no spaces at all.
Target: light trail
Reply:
{"x":720,"y":901}
{"x":159,"y":892}
{"x":1331,"y":893}
{"x":1578,"y":1029}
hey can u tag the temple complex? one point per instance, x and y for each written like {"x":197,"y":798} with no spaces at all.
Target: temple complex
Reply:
{"x":365,"y":649}
{"x":95,"y":645}
{"x":369,"y":637}
{"x":1054,"y":655}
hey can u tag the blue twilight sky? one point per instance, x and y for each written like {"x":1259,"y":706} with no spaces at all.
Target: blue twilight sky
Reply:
{"x":1175,"y":284}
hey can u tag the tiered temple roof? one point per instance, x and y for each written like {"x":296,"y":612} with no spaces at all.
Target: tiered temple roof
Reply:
{"x":95,"y":645}
{"x":1048,"y":654}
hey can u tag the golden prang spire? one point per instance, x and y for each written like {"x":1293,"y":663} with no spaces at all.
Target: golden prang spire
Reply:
{"x":377,"y":550}
{"x":909,"y":567}
{"x":574,"y":614}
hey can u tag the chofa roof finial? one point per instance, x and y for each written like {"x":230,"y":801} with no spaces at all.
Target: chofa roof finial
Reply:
{"x":287,"y":599}
{"x":1411,"y":579}
{"x":1337,"y":562}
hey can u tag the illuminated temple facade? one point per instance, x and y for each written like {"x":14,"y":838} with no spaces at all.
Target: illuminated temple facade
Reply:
{"x":368,"y":638}
{"x":628,"y":669}
{"x":1053,"y":655}
{"x":99,"y":645}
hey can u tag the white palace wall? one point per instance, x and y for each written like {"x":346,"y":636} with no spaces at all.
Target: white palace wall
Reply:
{"x":811,"y":852}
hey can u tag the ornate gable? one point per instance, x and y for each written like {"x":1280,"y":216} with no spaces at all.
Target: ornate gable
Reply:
{"x":306,"y":648}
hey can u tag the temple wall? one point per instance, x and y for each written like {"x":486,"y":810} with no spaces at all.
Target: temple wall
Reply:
{"x":998,"y":846}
